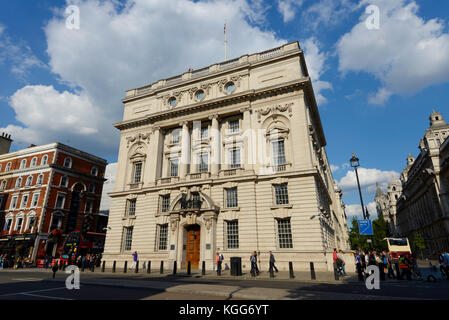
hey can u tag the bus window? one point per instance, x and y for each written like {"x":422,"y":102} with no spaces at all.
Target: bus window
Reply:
{"x":398,"y":242}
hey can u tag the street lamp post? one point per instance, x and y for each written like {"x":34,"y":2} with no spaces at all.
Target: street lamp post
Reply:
{"x":355,"y":163}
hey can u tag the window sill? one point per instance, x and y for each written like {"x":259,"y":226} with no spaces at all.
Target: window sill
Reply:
{"x":282,"y":206}
{"x":230,"y":209}
{"x":128,"y":217}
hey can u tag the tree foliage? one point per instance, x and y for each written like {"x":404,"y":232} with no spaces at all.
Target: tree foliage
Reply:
{"x":358,"y":241}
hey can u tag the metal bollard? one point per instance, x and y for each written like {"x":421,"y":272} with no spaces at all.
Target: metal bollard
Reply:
{"x":174,"y":267}
{"x":336,"y":275}
{"x":312,"y":271}
{"x":290,"y":266}
{"x":137,"y":267}
{"x":125,"y":267}
{"x":188,"y":268}
{"x":149,"y":266}
{"x":114,"y":265}
{"x":162,"y":267}
{"x":103,"y":266}
{"x":203,"y":268}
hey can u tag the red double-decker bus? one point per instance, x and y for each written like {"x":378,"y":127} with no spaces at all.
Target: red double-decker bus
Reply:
{"x":77,"y":244}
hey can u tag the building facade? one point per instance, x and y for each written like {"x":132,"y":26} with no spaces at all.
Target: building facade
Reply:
{"x":423,"y":206}
{"x":226,"y":158}
{"x":386,"y":204}
{"x":45,"y":191}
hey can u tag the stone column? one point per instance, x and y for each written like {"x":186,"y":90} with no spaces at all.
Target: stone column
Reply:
{"x":249,"y":150}
{"x":215,"y":145}
{"x":185,"y":150}
{"x":154,"y":165}
{"x":174,"y":229}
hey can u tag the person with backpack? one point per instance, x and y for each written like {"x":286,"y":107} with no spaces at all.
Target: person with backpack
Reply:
{"x":341,"y":263}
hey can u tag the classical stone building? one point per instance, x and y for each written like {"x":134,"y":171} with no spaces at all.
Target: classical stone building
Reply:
{"x":423,"y":206}
{"x":226,"y":158}
{"x":386,"y":204}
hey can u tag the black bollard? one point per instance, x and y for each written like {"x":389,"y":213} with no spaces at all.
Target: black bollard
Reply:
{"x":137,"y":267}
{"x":312,"y":271}
{"x":125,"y":267}
{"x":188,"y":268}
{"x":113,"y":266}
{"x":162,"y":267}
{"x":336,"y":276}
{"x":290,"y":267}
{"x":174,"y":267}
{"x":203,"y":268}
{"x":149,"y":267}
{"x":103,"y":266}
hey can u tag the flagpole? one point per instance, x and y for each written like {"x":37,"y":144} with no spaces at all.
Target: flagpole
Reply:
{"x":225,"y":41}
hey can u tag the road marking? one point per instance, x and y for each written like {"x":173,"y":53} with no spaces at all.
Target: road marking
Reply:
{"x":28,"y":292}
{"x":26,"y":279}
{"x":41,"y":296}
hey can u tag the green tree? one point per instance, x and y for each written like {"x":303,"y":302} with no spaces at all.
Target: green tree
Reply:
{"x":380,"y":232}
{"x":419,"y":243}
{"x":356,"y":240}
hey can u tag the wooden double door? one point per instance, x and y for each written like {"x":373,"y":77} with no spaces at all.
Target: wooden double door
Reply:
{"x":193,"y":246}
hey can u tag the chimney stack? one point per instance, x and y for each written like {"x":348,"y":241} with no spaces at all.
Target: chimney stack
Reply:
{"x":5,"y":143}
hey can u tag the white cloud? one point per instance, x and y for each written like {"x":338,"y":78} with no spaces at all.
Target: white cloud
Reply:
{"x":327,"y":12}
{"x":407,"y":53}
{"x":355,"y":210}
{"x":108,"y":185}
{"x":17,"y":55}
{"x":118,"y":48}
{"x":334,"y":168}
{"x":316,"y":65}
{"x":288,"y":8}
{"x":367,"y":178}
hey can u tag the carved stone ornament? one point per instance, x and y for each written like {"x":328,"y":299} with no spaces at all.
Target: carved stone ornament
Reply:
{"x":208,"y":222}
{"x":138,"y":138}
{"x":281,"y":108}
{"x":173,"y":224}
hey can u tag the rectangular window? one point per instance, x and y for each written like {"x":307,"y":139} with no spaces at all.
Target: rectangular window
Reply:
{"x":35,"y":200}
{"x":174,"y":168}
{"x":24,"y":201}
{"x":89,"y":206}
{"x":278,"y":152}
{"x":8,"y":224}
{"x":60,"y":201}
{"x":165,"y":203}
{"x":203,"y":163}
{"x":232,"y":233}
{"x":175,"y":136}
{"x":19,"y":223}
{"x":285,"y":234}
{"x":31,"y":222}
{"x":231,"y":198}
{"x":137,"y":172}
{"x":128,"y":238}
{"x":163,"y":233}
{"x":14,"y":202}
{"x":132,"y":207}
{"x":204,"y":133}
{"x":281,"y":193}
{"x":235,"y":158}
{"x":234,"y":126}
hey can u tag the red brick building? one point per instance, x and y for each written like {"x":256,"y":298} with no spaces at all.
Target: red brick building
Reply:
{"x":45,"y":192}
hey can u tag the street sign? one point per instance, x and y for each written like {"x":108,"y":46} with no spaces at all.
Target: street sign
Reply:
{"x":365,"y":227}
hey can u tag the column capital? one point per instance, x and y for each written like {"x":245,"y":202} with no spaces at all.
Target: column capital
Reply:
{"x":155,"y":128}
{"x":183,"y":123}
{"x":244,"y":109}
{"x":213,"y":116}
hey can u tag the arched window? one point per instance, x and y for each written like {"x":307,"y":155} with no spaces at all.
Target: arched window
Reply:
{"x":33,"y":162}
{"x":19,"y":182}
{"x":19,"y":222}
{"x":8,"y":222}
{"x":31,"y":222}
{"x":40,"y":179}
{"x":44,"y":160}
{"x":68,"y":162}
{"x":29,"y":181}
{"x":23,"y":164}
{"x":64,"y":181}
{"x":3,"y":185}
{"x":56,"y":221}
{"x":94,"y":171}
{"x":8,"y":167}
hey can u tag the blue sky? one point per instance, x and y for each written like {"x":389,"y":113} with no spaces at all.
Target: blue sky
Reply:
{"x":375,"y":88}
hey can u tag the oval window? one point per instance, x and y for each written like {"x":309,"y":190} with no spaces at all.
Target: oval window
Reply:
{"x":230,"y":86}
{"x":199,"y":94}
{"x":172,"y":101}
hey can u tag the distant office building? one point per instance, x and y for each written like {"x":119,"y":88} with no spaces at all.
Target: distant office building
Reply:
{"x":45,"y":191}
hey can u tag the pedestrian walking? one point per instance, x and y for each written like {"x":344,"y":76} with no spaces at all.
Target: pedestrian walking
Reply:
{"x":358,"y":265}
{"x":405,"y":268}
{"x":341,"y":262}
{"x":253,"y":260}
{"x":272,"y":261}
{"x":54,"y":266}
{"x":389,"y":265}
{"x":135,"y":259}
{"x":219,"y":261}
